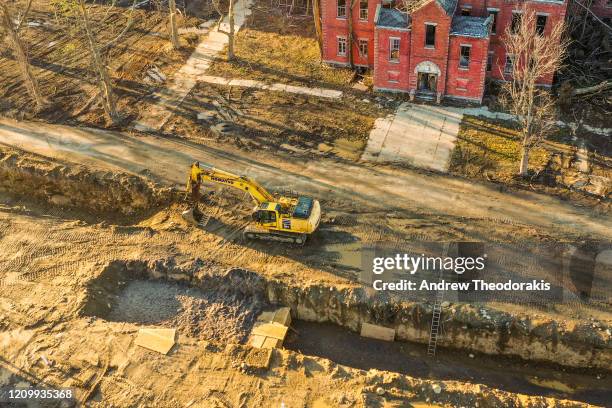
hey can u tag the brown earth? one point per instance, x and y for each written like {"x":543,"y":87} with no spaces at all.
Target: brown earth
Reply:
{"x":57,"y":251}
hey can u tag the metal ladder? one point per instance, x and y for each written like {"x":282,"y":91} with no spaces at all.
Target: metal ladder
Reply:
{"x":437,"y":312}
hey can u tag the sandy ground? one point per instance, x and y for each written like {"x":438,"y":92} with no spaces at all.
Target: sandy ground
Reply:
{"x":377,"y":186}
{"x":53,"y":254}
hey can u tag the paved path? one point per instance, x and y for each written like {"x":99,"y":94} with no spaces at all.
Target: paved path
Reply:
{"x":420,"y":135}
{"x":249,"y":83}
{"x":186,"y":78}
{"x":379,"y":187}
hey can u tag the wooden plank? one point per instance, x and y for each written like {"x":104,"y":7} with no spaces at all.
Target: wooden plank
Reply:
{"x":274,"y":330}
{"x":377,"y":332}
{"x":160,"y":340}
{"x":257,"y":340}
{"x":270,"y":343}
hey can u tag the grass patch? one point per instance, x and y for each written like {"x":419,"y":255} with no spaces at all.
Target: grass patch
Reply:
{"x":277,"y":48}
{"x":491,"y":150}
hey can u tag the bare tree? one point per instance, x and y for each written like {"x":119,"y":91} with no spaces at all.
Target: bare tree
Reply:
{"x":173,"y":29}
{"x":20,"y":53}
{"x":411,"y":5}
{"x":231,"y":31}
{"x":79,"y":22}
{"x":316,"y":14}
{"x":533,"y":56}
{"x":349,"y":41}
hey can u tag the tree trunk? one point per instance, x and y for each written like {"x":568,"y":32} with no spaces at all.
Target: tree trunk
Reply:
{"x":349,"y":40}
{"x":230,"y":45}
{"x":316,"y":15}
{"x":524,"y":158}
{"x":103,"y":77}
{"x":173,"y":30}
{"x":22,"y":59}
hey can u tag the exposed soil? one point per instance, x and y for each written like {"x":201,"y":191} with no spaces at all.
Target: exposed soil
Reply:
{"x":61,"y":64}
{"x":348,"y":348}
{"x":58,"y":304}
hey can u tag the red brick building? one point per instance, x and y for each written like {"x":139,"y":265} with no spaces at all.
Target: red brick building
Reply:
{"x":445,"y":48}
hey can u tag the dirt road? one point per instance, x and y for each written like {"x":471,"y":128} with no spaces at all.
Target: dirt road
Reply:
{"x":380,"y":187}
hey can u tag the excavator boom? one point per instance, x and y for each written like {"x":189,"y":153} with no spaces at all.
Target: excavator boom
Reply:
{"x":256,"y":191}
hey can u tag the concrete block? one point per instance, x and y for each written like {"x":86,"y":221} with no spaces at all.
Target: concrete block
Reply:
{"x":160,"y":340}
{"x":377,"y":332}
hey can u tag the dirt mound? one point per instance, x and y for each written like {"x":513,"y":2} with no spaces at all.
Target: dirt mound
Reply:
{"x":73,"y":186}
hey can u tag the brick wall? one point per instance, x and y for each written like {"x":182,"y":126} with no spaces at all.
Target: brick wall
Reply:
{"x":335,"y":27}
{"x":467,"y":83}
{"x":430,"y":13}
{"x":555,"y":12}
{"x":388,"y":74}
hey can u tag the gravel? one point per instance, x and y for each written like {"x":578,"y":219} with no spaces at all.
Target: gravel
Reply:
{"x":217,"y":315}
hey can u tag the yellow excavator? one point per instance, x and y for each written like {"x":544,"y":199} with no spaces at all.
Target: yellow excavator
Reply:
{"x":275,"y":217}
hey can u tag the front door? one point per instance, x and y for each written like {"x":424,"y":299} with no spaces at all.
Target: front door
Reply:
{"x":427,"y":82}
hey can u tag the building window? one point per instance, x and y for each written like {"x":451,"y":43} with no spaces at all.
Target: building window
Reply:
{"x":363,"y":10}
{"x":394,"y":46}
{"x":464,"y":56}
{"x":430,"y":35}
{"x":341,"y":9}
{"x":363,"y":48}
{"x":341,"y":46}
{"x":393,"y":76}
{"x":490,"y":62}
{"x":466,"y":10}
{"x":541,"y":24}
{"x":508,"y":65}
{"x":494,"y":22}
{"x":516,"y":22}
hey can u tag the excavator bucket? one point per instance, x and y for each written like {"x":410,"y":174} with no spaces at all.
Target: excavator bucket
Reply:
{"x":195,"y":218}
{"x":188,"y":216}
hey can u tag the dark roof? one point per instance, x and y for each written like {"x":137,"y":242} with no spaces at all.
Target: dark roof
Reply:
{"x":469,"y":26}
{"x":448,"y":6}
{"x":386,"y":17}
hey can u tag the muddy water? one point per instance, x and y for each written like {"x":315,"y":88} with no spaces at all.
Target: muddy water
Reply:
{"x":348,"y":348}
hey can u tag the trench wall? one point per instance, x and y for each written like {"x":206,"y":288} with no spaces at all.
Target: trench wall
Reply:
{"x":466,"y":326}
{"x":72,"y":186}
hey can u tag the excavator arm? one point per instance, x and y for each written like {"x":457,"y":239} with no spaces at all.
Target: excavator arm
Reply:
{"x":256,"y":191}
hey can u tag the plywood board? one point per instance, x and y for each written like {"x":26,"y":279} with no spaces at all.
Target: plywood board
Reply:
{"x":377,"y":332}
{"x":160,"y":340}
{"x":274,"y":330}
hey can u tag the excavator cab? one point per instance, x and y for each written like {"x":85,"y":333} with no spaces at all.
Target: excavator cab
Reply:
{"x":267,"y":214}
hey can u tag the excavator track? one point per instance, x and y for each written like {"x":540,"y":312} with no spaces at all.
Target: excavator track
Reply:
{"x":298,"y":239}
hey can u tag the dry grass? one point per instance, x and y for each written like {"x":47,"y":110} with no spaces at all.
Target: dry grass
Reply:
{"x":275,"y":48}
{"x":491,"y":150}
{"x":270,"y":119}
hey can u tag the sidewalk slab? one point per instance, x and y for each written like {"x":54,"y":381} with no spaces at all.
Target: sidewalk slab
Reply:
{"x":419,"y":135}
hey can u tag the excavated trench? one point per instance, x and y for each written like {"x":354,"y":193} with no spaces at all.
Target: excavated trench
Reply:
{"x":117,"y":196}
{"x":224,"y":307}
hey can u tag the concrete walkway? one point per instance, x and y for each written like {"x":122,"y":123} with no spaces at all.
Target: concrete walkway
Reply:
{"x":168,"y":99}
{"x":249,"y":83}
{"x":420,"y":135}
